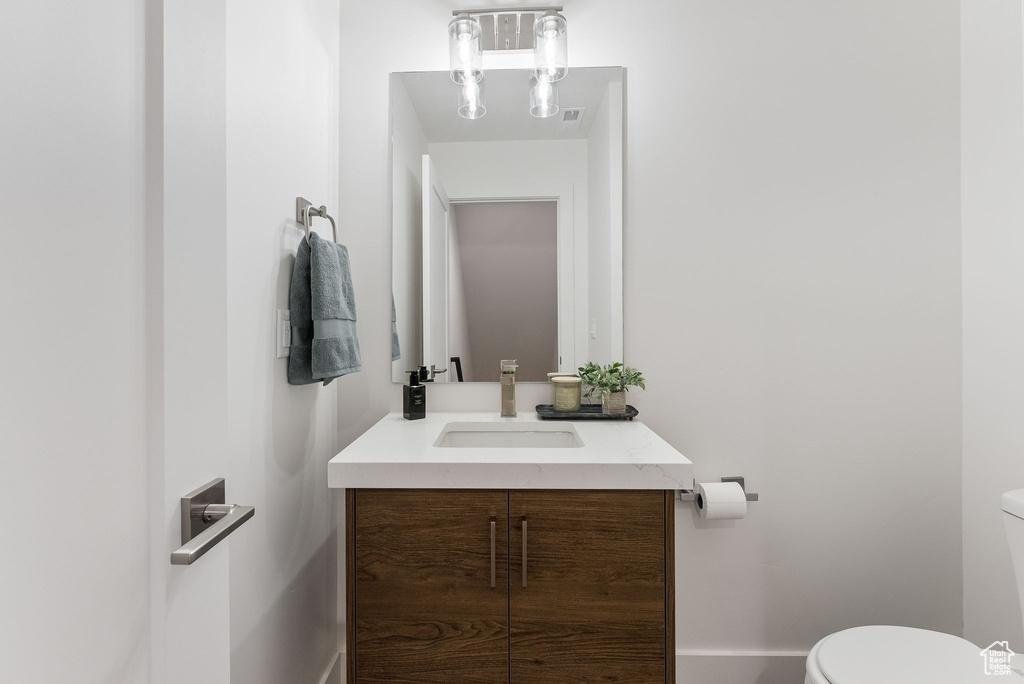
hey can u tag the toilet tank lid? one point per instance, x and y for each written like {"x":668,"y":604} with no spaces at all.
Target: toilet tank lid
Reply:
{"x":1013,"y":502}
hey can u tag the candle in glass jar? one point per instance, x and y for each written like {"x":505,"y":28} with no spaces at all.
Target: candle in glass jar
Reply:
{"x":566,"y":393}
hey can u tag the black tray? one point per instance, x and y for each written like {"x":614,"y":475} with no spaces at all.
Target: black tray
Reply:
{"x":586,"y":412}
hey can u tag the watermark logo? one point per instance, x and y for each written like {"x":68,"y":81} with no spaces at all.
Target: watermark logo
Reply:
{"x":997,"y":658}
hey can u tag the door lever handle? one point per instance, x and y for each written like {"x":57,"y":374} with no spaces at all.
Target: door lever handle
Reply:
{"x":206,"y":520}
{"x":230,"y":517}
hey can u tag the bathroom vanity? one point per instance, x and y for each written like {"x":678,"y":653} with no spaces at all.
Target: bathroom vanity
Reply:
{"x":481,"y":549}
{"x":486,"y":549}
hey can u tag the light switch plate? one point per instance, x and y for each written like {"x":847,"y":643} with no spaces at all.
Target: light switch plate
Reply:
{"x":284,"y":333}
{"x":593,"y":328}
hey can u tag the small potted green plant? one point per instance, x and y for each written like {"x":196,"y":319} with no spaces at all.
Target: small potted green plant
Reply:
{"x":611,"y":383}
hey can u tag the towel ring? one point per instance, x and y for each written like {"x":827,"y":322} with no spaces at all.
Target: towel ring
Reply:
{"x":306,"y":211}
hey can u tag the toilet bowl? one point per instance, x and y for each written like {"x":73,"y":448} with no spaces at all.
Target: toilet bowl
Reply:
{"x":884,"y":654}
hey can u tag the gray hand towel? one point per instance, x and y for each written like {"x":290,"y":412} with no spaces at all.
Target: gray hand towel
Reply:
{"x":396,"y":350}
{"x":300,"y":354}
{"x":323,"y":311}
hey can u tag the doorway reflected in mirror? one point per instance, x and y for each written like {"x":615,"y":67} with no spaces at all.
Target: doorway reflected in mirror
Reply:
{"x":503,"y":288}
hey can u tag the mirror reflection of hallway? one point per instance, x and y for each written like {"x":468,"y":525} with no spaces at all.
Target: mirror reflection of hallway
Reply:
{"x":503,"y":288}
{"x":440,"y":160}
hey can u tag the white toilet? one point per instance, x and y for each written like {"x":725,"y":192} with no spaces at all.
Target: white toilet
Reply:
{"x":881,"y":654}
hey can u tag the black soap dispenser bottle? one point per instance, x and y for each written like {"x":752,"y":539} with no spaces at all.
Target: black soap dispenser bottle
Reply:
{"x":414,"y":398}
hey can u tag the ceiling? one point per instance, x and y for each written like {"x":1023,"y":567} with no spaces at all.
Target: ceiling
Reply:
{"x":506,"y":94}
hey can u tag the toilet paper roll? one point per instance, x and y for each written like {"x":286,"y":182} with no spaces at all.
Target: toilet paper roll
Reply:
{"x":721,"y":501}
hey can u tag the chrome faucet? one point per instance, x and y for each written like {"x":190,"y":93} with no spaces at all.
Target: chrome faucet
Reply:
{"x":508,"y":388}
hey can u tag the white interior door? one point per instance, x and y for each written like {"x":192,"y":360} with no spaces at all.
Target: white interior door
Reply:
{"x":115,"y":408}
{"x":187,"y":327}
{"x":436,"y":222}
{"x":75,"y":591}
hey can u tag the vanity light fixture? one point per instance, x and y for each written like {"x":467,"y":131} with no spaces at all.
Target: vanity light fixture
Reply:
{"x":498,"y":29}
{"x":471,"y":100}
{"x":465,"y":57}
{"x":550,"y":47}
{"x":466,"y":64}
{"x":543,"y":97}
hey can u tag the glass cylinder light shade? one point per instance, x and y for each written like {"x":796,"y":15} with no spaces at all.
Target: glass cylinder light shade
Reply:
{"x":471,"y":100}
{"x":543,"y":97}
{"x":466,"y":59}
{"x":550,"y":47}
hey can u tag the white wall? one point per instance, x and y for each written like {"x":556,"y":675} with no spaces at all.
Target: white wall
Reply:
{"x":792,"y":286}
{"x":605,"y":136}
{"x":409,"y":144}
{"x":74,"y":600}
{"x":993,"y":323}
{"x":282,"y":142}
{"x":792,"y":291}
{"x":516,"y":162}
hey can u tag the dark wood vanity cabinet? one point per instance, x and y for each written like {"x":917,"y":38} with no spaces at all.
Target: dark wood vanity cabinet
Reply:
{"x":591,"y":603}
{"x":425,"y":607}
{"x":523,"y":587}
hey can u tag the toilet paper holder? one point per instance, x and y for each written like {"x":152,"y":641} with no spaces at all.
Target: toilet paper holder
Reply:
{"x":690,"y":495}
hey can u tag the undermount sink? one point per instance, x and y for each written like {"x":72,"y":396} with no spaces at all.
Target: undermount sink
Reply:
{"x":509,"y":436}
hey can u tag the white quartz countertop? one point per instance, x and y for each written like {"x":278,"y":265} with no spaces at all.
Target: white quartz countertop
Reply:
{"x":399,"y":453}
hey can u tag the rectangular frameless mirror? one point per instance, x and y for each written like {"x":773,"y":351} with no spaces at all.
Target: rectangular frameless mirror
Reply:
{"x":507,"y":228}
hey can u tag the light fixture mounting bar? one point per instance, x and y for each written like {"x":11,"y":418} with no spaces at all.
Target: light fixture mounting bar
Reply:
{"x":507,"y":10}
{"x":504,"y":29}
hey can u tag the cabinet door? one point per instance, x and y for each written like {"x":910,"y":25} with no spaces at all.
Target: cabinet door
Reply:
{"x":426,"y":609}
{"x":587,"y":586}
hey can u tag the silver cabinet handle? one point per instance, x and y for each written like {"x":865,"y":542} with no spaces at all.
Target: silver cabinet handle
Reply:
{"x":494,"y":526}
{"x":206,"y":520}
{"x":524,"y":550}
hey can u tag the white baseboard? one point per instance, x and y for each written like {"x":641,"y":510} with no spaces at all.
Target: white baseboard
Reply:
{"x":751,"y":667}
{"x":335,"y":672}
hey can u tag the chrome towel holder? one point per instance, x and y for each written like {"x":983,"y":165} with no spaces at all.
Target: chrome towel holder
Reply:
{"x":304,"y":213}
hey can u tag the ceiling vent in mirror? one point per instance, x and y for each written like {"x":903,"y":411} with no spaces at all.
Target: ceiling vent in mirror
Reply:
{"x":542,"y":29}
{"x":572,"y":118}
